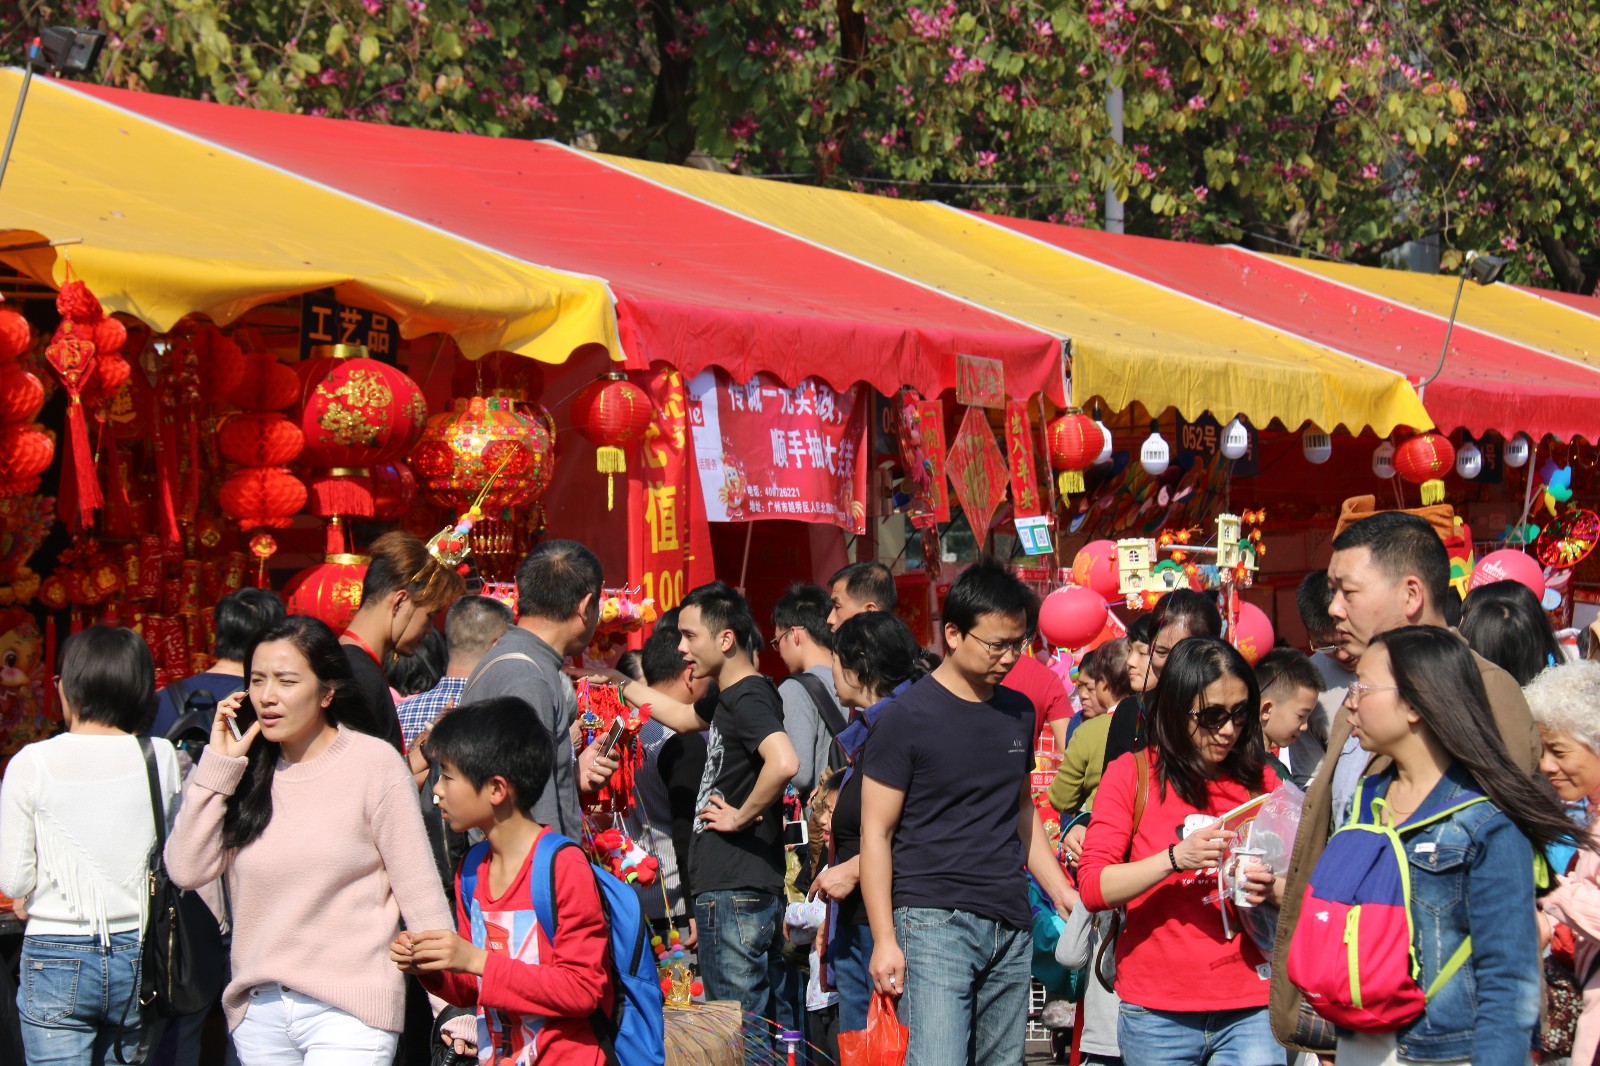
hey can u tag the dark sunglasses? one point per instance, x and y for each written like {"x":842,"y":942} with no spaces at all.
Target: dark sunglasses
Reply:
{"x":1213,"y":718}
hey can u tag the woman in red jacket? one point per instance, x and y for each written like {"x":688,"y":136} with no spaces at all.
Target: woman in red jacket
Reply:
{"x":1189,"y":993}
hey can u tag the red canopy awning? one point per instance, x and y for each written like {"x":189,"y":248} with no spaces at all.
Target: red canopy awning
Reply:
{"x":695,"y":285}
{"x":1488,"y":383}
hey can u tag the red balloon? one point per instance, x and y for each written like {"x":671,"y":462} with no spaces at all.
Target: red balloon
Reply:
{"x":1095,"y":567}
{"x":1072,"y":617}
{"x":1252,"y":634}
{"x":1508,"y":564}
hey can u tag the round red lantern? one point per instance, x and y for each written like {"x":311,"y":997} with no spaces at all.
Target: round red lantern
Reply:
{"x":260,"y":439}
{"x":16,"y":336}
{"x":355,"y":413}
{"x":1424,"y":460}
{"x":265,"y":384}
{"x":21,"y":394}
{"x":111,"y":372}
{"x":462,"y":449}
{"x":330,"y":590}
{"x":221,"y":364}
{"x":262,"y":496}
{"x":394,"y":489}
{"x":1074,"y":441}
{"x":109,"y":336}
{"x":612,"y":412}
{"x":25,"y":453}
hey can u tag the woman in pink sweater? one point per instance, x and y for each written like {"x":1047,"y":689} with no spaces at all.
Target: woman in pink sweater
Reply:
{"x":1190,"y":995}
{"x":317,"y":829}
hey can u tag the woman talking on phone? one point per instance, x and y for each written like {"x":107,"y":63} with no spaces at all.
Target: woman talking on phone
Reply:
{"x":317,"y":830}
{"x":1190,"y":995}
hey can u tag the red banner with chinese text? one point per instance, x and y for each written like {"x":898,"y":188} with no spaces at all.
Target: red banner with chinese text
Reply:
{"x":763,"y":450}
{"x":1020,"y":460}
{"x":930,"y":420}
{"x":669,"y":530}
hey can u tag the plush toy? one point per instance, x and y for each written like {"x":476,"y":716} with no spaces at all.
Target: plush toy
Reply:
{"x":622,"y":855}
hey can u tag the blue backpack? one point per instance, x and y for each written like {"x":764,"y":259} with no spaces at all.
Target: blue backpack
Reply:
{"x":635,"y":1030}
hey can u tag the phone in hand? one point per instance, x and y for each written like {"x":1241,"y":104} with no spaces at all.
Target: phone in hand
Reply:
{"x":608,"y":742}
{"x":245,"y":715}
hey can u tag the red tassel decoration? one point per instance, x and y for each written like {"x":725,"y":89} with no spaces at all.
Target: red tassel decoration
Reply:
{"x":342,"y":490}
{"x":71,"y":353}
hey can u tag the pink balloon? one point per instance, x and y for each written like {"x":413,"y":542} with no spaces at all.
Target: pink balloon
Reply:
{"x":1252,"y":634}
{"x":1095,"y":567}
{"x":1072,"y":617}
{"x":1508,"y":564}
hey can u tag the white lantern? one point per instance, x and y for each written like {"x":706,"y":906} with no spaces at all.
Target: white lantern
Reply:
{"x":1316,"y":446}
{"x":1235,"y":440}
{"x":1517,"y":449}
{"x":1383,"y":460}
{"x":1469,"y":461}
{"x":1105,"y":446}
{"x":1155,"y":456}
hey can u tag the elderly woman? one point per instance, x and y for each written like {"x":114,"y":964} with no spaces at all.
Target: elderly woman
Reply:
{"x":1565,"y":701}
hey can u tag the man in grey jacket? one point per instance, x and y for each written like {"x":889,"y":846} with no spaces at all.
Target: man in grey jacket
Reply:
{"x":811,"y":713}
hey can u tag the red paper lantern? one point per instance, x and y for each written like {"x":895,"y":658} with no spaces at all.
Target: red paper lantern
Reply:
{"x":21,"y":394}
{"x":221,"y":364}
{"x":394,"y":490}
{"x":260,"y":439}
{"x":262,"y":496}
{"x":111,"y":372}
{"x":355,"y":413}
{"x":16,"y":336}
{"x":612,"y":412}
{"x":77,"y":303}
{"x":462,"y":449}
{"x":25,"y":453}
{"x":265,"y":384}
{"x":109,"y":336}
{"x":1075,"y":442}
{"x":330,"y":590}
{"x":1424,"y":460}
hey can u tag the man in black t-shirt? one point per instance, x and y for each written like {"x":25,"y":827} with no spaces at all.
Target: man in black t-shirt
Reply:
{"x":737,"y":852}
{"x":947,"y":825}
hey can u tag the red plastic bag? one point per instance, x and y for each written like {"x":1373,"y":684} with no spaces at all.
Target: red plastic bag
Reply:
{"x":881,"y":1043}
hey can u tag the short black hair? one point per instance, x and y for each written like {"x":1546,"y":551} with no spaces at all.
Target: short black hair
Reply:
{"x":240,"y":617}
{"x":109,"y":676}
{"x":662,"y":661}
{"x":1402,"y":545}
{"x":989,"y":586}
{"x":422,"y":669}
{"x":1312,"y":600}
{"x":1504,"y":622}
{"x":1195,"y":611}
{"x":630,"y":664}
{"x":721,"y":608}
{"x":499,"y":737}
{"x":806,"y":606}
{"x":880,"y":649}
{"x":867,"y":582}
{"x":555,"y":577}
{"x":1283,"y":670}
{"x":1142,"y":630}
{"x":476,"y":622}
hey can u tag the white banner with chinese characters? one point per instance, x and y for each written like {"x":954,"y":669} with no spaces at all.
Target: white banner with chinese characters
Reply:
{"x":765,"y":450}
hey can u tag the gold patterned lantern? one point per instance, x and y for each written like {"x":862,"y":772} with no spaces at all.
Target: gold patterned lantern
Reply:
{"x":330,"y":590}
{"x":355,"y":413}
{"x":484,"y":438}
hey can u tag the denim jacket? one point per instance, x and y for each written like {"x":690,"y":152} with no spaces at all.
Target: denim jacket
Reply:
{"x":1471,"y":874}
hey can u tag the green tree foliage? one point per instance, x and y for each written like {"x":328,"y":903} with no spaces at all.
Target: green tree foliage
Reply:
{"x":1344,"y":129}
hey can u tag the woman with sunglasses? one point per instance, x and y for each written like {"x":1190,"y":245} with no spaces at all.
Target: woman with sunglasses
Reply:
{"x":1190,"y":994}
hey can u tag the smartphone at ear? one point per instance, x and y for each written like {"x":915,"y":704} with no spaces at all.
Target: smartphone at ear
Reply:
{"x":242,"y":719}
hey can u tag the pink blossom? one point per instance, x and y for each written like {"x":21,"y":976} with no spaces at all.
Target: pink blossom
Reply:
{"x":1470,"y":160}
{"x":986,"y":159}
{"x":1508,"y":243}
{"x":1043,"y":28}
{"x":744,"y":128}
{"x":1201,"y":192}
{"x":416,"y":7}
{"x":372,"y":7}
{"x":1197,"y":103}
{"x":1370,"y":172}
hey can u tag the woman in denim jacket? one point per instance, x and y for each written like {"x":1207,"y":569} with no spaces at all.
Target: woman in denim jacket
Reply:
{"x":1419,"y":700}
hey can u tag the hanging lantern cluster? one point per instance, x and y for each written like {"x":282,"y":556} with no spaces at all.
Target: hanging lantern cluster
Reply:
{"x":612,"y":412}
{"x":356,"y":413}
{"x":26,"y":450}
{"x":1424,"y":460}
{"x":1075,"y":441}
{"x":262,"y":493}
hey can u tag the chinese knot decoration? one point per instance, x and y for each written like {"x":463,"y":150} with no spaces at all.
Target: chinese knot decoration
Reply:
{"x":1075,"y":442}
{"x":71,"y":353}
{"x":612,"y":412}
{"x":598,"y":707}
{"x":356,"y":413}
{"x":1424,"y":460}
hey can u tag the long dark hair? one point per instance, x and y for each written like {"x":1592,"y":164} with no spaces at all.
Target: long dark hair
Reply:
{"x":1437,"y":677}
{"x":1504,"y":622}
{"x":1194,"y":664}
{"x":250,"y":808}
{"x":880,"y":650}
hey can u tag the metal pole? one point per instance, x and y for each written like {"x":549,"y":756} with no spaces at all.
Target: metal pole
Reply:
{"x":16,"y":116}
{"x":1449,"y":327}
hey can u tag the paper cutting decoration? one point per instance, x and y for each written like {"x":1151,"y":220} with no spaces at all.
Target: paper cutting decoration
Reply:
{"x":977,"y":472}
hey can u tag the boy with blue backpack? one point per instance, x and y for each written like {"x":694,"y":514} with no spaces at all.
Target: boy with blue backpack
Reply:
{"x":553,"y":954}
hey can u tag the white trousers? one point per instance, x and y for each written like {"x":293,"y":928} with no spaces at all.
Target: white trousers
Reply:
{"x":283,"y":1027}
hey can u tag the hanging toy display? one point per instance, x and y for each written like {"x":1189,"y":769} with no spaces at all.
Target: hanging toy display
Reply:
{"x":619,"y":853}
{"x":622,"y":612}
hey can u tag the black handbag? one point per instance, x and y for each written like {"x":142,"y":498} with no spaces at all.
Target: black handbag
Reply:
{"x":183,"y":961}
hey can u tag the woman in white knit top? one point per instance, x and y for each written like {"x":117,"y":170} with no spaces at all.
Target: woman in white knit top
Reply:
{"x":76,"y":833}
{"x":317,"y":829}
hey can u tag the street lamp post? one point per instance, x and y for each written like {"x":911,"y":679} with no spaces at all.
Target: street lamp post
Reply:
{"x":62,"y":49}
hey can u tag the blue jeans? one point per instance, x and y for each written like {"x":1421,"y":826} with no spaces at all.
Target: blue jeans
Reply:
{"x":78,"y":999}
{"x":741,"y":941}
{"x":852,"y":953}
{"x":1197,"y":1038}
{"x":967,"y":981}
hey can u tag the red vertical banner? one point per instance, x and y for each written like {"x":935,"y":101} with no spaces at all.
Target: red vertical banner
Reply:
{"x":1020,"y":460}
{"x":930,"y":418}
{"x":667,"y":527}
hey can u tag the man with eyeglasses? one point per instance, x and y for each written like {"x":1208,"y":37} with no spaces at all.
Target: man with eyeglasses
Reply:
{"x":811,"y":714}
{"x":947,"y":824}
{"x":1388,"y":570}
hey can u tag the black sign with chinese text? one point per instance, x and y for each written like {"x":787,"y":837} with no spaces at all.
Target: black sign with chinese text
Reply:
{"x":324,"y":320}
